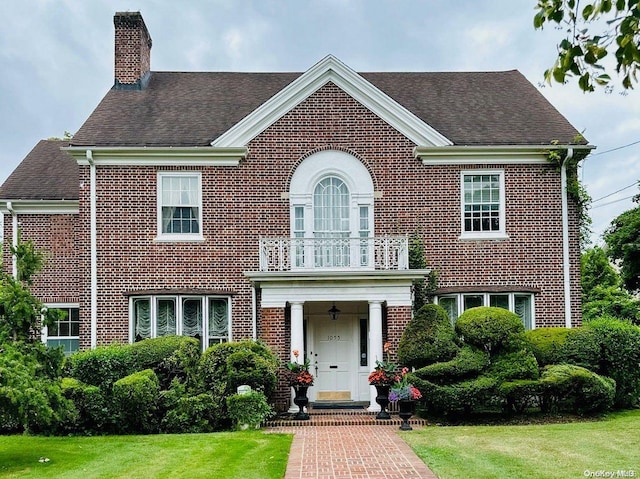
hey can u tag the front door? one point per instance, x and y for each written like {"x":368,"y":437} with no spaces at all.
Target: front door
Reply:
{"x":333,"y":358}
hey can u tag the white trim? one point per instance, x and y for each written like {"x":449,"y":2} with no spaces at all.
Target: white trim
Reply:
{"x":40,"y":207}
{"x":566,"y":261}
{"x":330,"y":69}
{"x":482,"y":235}
{"x":178,"y":237}
{"x":486,"y":300}
{"x":160,"y":156}
{"x":93,"y":247}
{"x":488,"y":154}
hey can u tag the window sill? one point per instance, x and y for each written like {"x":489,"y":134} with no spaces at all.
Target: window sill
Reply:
{"x":483,"y":236}
{"x":179,"y":239}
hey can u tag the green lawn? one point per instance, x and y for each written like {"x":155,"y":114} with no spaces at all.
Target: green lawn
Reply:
{"x":226,"y":455}
{"x":569,"y":450}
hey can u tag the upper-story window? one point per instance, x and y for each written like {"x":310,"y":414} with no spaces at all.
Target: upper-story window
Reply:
{"x":483,"y":204}
{"x":179,"y":206}
{"x":331,"y":199}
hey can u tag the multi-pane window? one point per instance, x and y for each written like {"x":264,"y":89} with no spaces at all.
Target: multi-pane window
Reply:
{"x":482,"y":204}
{"x":298,"y":232}
{"x":203,"y":317}
{"x":66,"y":331}
{"x":180,"y":204}
{"x":364,"y":232}
{"x":331,"y":223}
{"x":519,"y":303}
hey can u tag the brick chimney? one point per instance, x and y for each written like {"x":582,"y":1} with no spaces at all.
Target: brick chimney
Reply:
{"x":132,"y":51}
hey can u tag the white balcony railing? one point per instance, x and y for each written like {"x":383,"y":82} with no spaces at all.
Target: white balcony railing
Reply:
{"x":336,"y":253}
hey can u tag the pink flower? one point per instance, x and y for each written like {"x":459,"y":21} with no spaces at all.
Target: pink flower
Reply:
{"x":296,"y":353}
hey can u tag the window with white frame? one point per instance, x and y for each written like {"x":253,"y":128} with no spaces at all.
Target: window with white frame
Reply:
{"x":66,"y":331}
{"x":483,"y":204}
{"x":520,"y":303}
{"x":179,"y":205}
{"x":207,"y":318}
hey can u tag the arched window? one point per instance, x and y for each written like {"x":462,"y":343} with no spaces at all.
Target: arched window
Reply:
{"x":331,"y":200}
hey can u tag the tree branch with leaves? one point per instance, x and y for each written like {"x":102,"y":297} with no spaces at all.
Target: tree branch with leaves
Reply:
{"x":581,"y":53}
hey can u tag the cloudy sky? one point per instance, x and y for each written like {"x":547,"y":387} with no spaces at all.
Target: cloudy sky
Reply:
{"x":56,"y":62}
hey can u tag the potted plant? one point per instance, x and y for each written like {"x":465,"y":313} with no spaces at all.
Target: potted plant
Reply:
{"x":406,"y":394}
{"x":382,"y":377}
{"x":300,"y":379}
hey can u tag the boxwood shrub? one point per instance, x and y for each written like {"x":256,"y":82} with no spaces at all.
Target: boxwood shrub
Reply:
{"x":620,"y":357}
{"x":469,"y":362}
{"x":429,"y":337}
{"x":490,"y":329}
{"x":249,"y":410}
{"x":136,"y":398}
{"x":93,"y":414}
{"x":193,"y":414}
{"x":520,"y":364}
{"x":576,"y":389}
{"x":577,"y":346}
{"x":168,"y":356}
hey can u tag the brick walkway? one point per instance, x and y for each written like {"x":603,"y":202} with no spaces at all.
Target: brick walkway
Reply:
{"x":351,"y":452}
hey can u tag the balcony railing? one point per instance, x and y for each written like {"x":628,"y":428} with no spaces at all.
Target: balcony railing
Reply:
{"x":335,"y":253}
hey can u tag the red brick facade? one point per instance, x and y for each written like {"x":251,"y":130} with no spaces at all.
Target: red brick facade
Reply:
{"x":243,"y":203}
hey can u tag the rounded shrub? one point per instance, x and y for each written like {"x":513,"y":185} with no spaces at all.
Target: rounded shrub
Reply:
{"x":93,"y":414}
{"x":193,"y":414}
{"x":490,"y":329}
{"x":619,"y":343}
{"x":576,"y":389}
{"x":219,"y":375}
{"x":136,"y":397}
{"x":248,"y":411}
{"x":577,"y":346}
{"x":429,"y":337}
{"x":102,"y":366}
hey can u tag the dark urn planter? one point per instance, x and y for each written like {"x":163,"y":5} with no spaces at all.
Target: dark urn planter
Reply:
{"x":301,"y":400}
{"x":382,"y":398}
{"x":407,"y":409}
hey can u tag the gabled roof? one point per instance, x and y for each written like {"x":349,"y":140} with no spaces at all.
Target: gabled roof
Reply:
{"x":46,"y":173}
{"x":197,"y":109}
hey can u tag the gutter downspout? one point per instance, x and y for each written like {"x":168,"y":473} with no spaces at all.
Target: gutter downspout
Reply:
{"x":14,"y":238}
{"x":565,"y":240}
{"x":254,"y":316}
{"x":93,"y":249}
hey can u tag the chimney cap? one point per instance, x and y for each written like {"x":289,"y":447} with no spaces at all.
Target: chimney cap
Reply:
{"x":131,"y":20}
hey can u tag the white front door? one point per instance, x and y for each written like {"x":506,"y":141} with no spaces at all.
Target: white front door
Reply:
{"x":333,"y":357}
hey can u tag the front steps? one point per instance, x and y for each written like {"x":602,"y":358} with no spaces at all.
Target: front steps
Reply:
{"x":342,"y":417}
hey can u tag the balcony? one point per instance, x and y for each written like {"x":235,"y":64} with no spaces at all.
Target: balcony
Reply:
{"x":334,"y":254}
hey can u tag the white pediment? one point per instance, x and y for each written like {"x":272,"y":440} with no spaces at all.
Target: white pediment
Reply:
{"x":330,"y":69}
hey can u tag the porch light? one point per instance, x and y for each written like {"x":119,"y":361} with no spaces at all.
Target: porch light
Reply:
{"x":334,"y":312}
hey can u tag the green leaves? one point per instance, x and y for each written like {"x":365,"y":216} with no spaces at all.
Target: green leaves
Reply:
{"x":581,"y":53}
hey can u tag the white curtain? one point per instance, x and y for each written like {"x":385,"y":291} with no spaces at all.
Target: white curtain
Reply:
{"x":166,"y":317}
{"x":218,"y":318}
{"x":192,"y":317}
{"x":142,"y":313}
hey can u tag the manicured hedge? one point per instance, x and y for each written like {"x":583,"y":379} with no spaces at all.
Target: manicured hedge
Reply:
{"x":249,"y":410}
{"x":469,"y":362}
{"x":92,"y":411}
{"x":169,"y":357}
{"x":136,"y":398}
{"x":490,"y":329}
{"x":429,"y":337}
{"x":577,"y":346}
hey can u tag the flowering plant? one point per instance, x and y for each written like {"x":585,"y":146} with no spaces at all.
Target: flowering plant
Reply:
{"x":402,"y":389}
{"x":384,"y":372}
{"x":298,"y":373}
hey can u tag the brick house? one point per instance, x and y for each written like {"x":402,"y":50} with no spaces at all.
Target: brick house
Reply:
{"x":278,"y":206}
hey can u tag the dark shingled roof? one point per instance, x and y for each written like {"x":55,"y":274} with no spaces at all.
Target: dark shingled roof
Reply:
{"x":193,"y":109}
{"x":46,"y":173}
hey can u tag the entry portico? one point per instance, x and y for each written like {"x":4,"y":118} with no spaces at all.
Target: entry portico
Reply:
{"x":342,"y":351}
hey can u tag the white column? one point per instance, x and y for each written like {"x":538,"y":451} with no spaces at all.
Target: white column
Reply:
{"x":297,"y":340}
{"x":375,"y":346}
